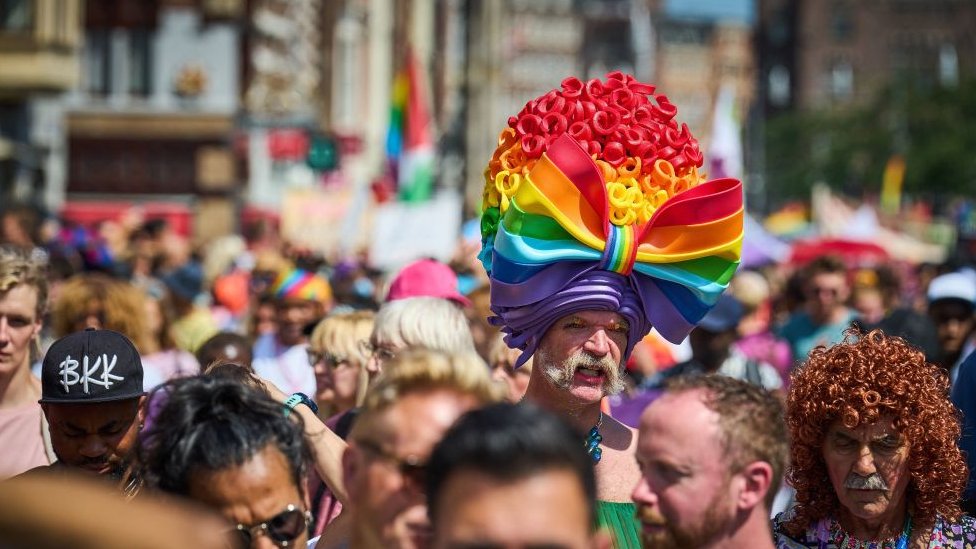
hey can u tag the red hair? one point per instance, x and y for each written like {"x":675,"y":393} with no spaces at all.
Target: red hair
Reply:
{"x":857,"y":382}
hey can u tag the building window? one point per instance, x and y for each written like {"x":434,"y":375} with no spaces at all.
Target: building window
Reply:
{"x":841,"y":80}
{"x":779,"y":86}
{"x":841,"y":23}
{"x":948,"y":65}
{"x":140,"y":62}
{"x":98,"y":61}
{"x":16,"y":16}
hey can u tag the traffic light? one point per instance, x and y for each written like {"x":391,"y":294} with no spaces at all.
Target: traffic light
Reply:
{"x":323,"y":153}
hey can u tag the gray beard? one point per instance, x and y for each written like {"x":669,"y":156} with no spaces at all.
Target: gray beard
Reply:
{"x":561,"y":375}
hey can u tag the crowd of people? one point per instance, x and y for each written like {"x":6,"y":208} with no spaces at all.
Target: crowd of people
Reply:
{"x":599,"y":375}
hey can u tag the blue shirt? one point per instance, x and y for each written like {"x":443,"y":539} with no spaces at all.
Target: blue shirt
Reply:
{"x":964,"y":397}
{"x":803,"y":334}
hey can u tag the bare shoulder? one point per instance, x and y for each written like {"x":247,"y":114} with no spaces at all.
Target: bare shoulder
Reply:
{"x":617,"y":472}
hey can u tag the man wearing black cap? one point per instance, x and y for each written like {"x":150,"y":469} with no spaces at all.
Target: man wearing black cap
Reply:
{"x":91,"y":394}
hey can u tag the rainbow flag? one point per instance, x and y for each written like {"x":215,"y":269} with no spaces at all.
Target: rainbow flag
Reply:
{"x":409,"y":143}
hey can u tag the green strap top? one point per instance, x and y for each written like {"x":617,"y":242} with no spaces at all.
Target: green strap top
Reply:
{"x":620,"y":519}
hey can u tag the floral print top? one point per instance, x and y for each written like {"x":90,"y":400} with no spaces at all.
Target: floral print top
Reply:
{"x":954,"y":535}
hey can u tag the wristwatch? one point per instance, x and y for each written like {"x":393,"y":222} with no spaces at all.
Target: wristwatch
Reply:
{"x":300,"y":398}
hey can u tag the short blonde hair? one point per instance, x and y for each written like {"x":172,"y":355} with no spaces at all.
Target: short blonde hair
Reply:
{"x":342,"y":334}
{"x":424,"y":322}
{"x":19,"y":269}
{"x":421,"y":370}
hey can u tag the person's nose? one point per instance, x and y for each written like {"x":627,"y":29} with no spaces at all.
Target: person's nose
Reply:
{"x":4,"y":331}
{"x":598,"y":343}
{"x":373,"y":366}
{"x":263,"y":541}
{"x":498,"y":374}
{"x":864,"y":465}
{"x":643,"y":494}
{"x":93,"y":447}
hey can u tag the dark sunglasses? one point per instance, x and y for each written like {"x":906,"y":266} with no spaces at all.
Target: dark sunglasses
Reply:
{"x":410,"y":467}
{"x":283,"y":528}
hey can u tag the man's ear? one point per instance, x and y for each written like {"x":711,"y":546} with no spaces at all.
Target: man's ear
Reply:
{"x":757,"y":479}
{"x":141,"y":413}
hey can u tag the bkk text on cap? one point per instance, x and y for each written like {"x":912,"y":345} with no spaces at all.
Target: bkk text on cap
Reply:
{"x":91,"y":366}
{"x":426,"y":278}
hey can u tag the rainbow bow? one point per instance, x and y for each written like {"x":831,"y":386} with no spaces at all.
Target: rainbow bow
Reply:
{"x":558,"y":227}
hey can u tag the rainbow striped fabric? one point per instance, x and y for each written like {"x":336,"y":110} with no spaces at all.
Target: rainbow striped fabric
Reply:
{"x":303,"y":285}
{"x":557,"y":228}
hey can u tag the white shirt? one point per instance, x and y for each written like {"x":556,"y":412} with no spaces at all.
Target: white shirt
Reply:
{"x":286,"y":367}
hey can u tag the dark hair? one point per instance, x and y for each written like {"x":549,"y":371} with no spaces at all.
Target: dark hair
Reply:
{"x":210,"y":423}
{"x":212,"y":350}
{"x":826,"y":264}
{"x":237,"y":372}
{"x":750,"y":418}
{"x":509,"y":442}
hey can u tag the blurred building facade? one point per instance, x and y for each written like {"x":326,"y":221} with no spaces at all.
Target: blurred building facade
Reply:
{"x":701,"y":48}
{"x":40,"y":42}
{"x":821,"y":54}
{"x":521,"y":49}
{"x":154,"y":114}
{"x":217,"y":108}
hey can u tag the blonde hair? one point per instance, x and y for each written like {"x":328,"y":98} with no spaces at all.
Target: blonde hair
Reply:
{"x":19,"y":269}
{"x":424,"y":322}
{"x":420,"y":370}
{"x":342,"y":335}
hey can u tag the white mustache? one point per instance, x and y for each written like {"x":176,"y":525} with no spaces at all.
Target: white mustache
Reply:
{"x":874,"y":481}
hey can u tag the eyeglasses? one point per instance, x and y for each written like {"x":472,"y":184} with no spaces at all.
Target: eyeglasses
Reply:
{"x":410,"y":467}
{"x":283,"y":528}
{"x":381,"y":353}
{"x":331,"y":360}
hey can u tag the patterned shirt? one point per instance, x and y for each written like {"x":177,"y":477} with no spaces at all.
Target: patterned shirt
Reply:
{"x":955,"y":535}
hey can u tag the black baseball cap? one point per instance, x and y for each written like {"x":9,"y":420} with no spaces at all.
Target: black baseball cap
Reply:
{"x":91,"y":366}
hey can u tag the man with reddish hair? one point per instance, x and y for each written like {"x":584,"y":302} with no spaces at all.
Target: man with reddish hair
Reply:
{"x":874,"y":418}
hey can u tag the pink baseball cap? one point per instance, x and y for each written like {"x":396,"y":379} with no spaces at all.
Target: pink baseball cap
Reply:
{"x":426,"y":278}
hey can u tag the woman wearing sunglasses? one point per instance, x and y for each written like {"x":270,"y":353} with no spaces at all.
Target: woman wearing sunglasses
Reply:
{"x":229,"y":447}
{"x":337,"y":355}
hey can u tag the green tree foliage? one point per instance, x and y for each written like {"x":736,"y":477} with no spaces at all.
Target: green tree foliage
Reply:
{"x":847,"y":148}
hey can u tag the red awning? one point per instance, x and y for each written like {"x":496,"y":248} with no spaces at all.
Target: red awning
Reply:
{"x":854,"y":253}
{"x":90,"y":213}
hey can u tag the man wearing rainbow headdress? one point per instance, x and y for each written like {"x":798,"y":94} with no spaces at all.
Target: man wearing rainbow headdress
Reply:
{"x":597,"y":226}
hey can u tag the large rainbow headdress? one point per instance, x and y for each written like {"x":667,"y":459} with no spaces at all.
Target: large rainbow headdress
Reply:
{"x":593,"y":201}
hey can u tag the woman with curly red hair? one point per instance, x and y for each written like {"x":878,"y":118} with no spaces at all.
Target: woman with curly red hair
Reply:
{"x":873,"y":418}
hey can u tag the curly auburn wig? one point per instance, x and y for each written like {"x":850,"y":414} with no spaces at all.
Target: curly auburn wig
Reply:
{"x":857,"y":382}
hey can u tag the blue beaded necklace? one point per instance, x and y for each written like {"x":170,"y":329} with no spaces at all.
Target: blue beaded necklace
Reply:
{"x":593,"y":439}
